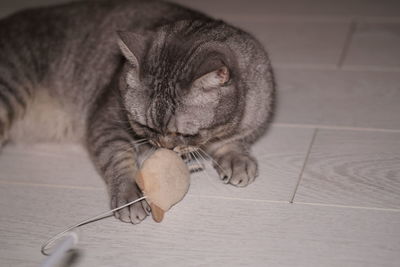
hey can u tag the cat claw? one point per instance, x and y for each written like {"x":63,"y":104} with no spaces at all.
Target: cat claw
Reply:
{"x":134,"y":213}
{"x":238,"y":169}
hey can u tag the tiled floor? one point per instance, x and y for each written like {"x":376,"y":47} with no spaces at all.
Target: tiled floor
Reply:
{"x":329,"y":187}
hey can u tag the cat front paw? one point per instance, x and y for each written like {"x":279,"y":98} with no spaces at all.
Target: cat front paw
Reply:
{"x":124,"y":193}
{"x":237,"y":169}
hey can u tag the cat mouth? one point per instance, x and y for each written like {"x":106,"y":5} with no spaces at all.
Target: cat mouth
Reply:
{"x":178,"y":148}
{"x":191,"y":155}
{"x":171,"y":141}
{"x":162,"y":144}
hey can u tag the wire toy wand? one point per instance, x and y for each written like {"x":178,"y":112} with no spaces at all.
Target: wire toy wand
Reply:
{"x":164,"y":179}
{"x":71,"y":237}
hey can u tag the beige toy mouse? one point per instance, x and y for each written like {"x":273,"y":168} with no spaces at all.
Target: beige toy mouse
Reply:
{"x":164,"y":180}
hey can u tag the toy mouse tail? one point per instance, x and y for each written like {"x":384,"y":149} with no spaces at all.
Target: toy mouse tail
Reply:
{"x":157,"y":213}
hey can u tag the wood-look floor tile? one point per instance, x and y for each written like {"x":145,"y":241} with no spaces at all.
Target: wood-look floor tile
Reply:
{"x":353,"y":168}
{"x":198,"y":232}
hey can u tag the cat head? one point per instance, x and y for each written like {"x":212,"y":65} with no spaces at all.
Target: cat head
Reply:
{"x":180,"y":89}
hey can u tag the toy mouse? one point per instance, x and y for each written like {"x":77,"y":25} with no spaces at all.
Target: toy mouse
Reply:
{"x":164,"y":180}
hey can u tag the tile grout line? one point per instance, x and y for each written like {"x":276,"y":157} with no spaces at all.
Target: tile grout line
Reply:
{"x":295,"y":203}
{"x":218,"y":197}
{"x":345,"y":206}
{"x":333,"y":127}
{"x":334,"y":67}
{"x":304,"y":166}
{"x":308,"y":18}
{"x":50,"y":185}
{"x":237,"y":198}
{"x":347,"y":42}
{"x":363,"y":68}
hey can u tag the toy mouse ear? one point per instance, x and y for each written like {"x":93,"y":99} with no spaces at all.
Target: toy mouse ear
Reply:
{"x":132,"y":46}
{"x":157,"y":213}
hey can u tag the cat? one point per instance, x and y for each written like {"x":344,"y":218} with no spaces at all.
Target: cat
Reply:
{"x":111,"y":74}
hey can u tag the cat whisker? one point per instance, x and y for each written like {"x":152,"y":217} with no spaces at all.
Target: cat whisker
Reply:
{"x":126,"y":148}
{"x":204,"y":154}
{"x":213,"y":161}
{"x":135,"y":143}
{"x":131,"y":146}
{"x":123,"y":151}
{"x":141,"y":141}
{"x":138,"y":145}
{"x":195,"y":152}
{"x":200,"y":165}
{"x":201,"y":157}
{"x":120,"y":124}
{"x":147,"y":155}
{"x":206,"y":173}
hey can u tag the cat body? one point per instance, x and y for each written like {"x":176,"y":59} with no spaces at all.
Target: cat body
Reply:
{"x":68,"y":54}
{"x":112,"y":73}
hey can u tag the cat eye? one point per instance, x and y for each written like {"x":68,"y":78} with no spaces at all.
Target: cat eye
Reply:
{"x":145,"y":127}
{"x":177,"y":134}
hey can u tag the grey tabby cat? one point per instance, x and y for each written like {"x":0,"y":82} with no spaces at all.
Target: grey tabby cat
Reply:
{"x":110,"y":73}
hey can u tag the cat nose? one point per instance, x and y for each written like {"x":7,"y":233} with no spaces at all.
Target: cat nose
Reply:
{"x":167,"y":142}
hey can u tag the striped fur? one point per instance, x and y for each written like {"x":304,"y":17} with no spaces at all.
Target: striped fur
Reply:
{"x":110,"y":73}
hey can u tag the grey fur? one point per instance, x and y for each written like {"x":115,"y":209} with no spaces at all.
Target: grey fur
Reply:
{"x":185,"y":80}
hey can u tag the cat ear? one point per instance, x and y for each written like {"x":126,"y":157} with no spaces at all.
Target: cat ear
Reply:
{"x":214,"y":78}
{"x":132,"y":46}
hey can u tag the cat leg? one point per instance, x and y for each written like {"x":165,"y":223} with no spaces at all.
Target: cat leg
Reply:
{"x":113,"y":152}
{"x":235,"y":165}
{"x":14,"y":100}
